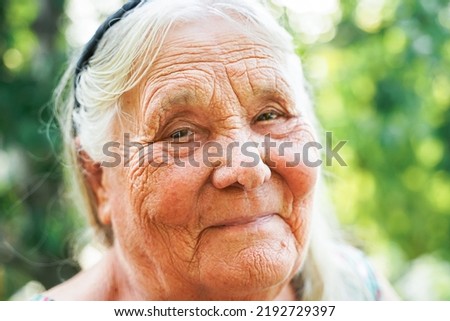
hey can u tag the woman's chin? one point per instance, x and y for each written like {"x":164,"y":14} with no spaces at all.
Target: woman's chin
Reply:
{"x":248,"y":260}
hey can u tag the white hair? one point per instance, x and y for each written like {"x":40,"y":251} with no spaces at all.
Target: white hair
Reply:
{"x":141,"y":33}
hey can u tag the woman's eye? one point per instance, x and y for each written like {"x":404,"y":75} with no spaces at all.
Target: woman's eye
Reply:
{"x":181,"y":135}
{"x":271,"y":115}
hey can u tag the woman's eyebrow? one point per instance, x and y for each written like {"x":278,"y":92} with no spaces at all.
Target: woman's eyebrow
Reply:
{"x":270,"y":92}
{"x":280,"y":94}
{"x":163,"y":105}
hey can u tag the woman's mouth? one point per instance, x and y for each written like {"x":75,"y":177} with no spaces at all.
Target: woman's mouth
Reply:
{"x":240,"y":221}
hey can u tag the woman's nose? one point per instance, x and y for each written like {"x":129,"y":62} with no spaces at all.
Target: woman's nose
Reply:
{"x":241,"y":166}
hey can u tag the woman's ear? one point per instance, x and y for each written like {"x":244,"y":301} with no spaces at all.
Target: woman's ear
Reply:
{"x":93,"y":174}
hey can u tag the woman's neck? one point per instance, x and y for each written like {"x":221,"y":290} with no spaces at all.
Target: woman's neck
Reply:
{"x":109,"y":280}
{"x":139,"y":285}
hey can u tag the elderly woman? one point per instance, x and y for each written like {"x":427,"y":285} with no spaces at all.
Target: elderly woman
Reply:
{"x":184,"y":121}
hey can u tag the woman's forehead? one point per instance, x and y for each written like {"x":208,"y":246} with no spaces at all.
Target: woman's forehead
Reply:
{"x":198,"y":68}
{"x":201,"y":61}
{"x":214,"y":48}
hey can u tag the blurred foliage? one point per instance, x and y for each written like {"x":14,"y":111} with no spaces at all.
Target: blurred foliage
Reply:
{"x":381,"y":80}
{"x":34,"y":223}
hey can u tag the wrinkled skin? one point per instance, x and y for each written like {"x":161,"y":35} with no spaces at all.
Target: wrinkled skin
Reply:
{"x":217,"y":230}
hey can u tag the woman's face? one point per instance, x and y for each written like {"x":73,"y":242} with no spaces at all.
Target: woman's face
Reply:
{"x":211,"y":207}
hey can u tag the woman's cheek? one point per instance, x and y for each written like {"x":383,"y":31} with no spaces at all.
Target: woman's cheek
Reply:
{"x":293,"y":164}
{"x":301,"y":222}
{"x":298,"y":168}
{"x":166,"y":195}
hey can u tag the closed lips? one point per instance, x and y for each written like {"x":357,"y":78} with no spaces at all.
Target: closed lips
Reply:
{"x":245,"y":220}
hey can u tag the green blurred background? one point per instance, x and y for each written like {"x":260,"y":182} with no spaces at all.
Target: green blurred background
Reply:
{"x":380,"y":76}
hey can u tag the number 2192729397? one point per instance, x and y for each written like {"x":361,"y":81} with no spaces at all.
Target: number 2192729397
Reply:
{"x":294,"y":310}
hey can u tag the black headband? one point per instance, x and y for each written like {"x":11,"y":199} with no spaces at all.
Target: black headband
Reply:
{"x":91,"y":46}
